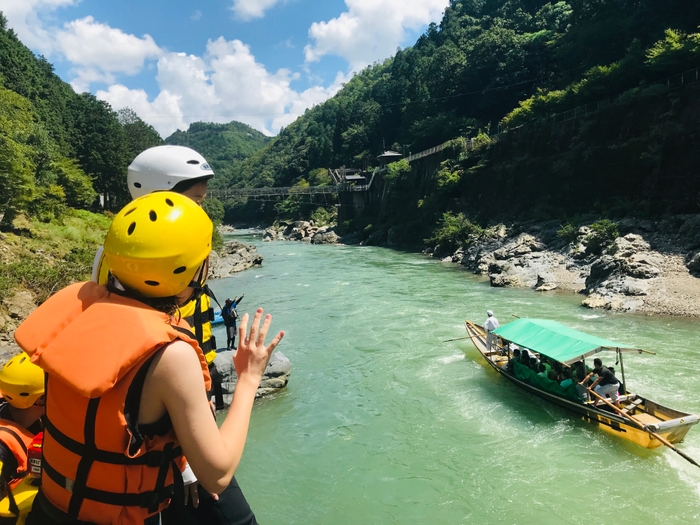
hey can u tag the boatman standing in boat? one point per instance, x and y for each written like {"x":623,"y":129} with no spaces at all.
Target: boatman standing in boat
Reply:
{"x":490,"y":325}
{"x":606,"y":384}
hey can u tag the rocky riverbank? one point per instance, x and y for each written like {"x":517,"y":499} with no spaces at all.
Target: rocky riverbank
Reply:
{"x":649,"y":268}
{"x":233,"y":258}
{"x":304,"y":231}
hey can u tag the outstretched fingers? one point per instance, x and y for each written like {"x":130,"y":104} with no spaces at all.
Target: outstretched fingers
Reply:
{"x":273,"y":344}
{"x":255,"y":326}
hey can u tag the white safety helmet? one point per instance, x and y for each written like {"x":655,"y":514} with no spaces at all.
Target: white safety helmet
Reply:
{"x":163,"y":167}
{"x":489,"y":313}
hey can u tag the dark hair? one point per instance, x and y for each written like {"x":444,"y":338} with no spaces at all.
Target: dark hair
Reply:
{"x":186,"y":184}
{"x":597,"y":362}
{"x":168,"y":305}
{"x":542,"y":368}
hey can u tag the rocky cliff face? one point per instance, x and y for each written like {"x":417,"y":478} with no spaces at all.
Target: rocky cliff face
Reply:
{"x":651,"y":268}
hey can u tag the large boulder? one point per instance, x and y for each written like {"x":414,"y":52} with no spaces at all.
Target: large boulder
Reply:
{"x":275,"y":378}
{"x":601,"y":270}
{"x":233,"y":258}
{"x":325,"y":236}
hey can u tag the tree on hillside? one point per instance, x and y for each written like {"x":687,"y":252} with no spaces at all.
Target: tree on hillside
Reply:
{"x":102,"y":148}
{"x":139,"y":135}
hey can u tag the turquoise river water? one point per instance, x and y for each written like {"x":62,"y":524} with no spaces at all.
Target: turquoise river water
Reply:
{"x":384,"y":423}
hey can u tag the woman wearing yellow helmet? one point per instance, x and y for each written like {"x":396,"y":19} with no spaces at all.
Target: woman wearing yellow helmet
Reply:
{"x":134,"y":377}
{"x":184,"y":171}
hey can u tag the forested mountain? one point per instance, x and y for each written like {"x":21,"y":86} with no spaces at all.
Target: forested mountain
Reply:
{"x":470,"y":71}
{"x":497,"y":65}
{"x":223,"y":145}
{"x":58,"y":148}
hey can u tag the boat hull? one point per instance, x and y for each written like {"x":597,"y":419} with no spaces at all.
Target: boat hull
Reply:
{"x":608,"y":421}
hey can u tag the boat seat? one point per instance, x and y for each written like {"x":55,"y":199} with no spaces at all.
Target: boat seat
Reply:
{"x":634,"y":404}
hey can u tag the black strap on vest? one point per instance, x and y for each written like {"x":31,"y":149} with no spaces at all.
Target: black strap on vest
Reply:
{"x":17,"y":438}
{"x":89,"y":453}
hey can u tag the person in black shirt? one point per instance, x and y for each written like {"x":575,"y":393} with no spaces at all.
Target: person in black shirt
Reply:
{"x":606,"y":383}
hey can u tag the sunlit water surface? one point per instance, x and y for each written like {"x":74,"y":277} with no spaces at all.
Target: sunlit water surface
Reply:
{"x":382,"y":422}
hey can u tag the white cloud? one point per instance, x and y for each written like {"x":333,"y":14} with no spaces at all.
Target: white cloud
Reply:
{"x":23,"y":17}
{"x":99,"y":51}
{"x":370,"y":29}
{"x":226,"y":84}
{"x":250,"y":9}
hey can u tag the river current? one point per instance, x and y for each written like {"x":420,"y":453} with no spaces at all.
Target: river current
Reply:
{"x":384,"y":423}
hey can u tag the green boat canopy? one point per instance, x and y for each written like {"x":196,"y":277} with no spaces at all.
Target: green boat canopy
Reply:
{"x":557,"y":341}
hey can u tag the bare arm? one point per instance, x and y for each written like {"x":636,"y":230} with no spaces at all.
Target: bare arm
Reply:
{"x":177,"y":383}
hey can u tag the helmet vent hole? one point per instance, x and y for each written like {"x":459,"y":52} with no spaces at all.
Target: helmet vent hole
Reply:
{"x":132,"y":210}
{"x":23,"y":359}
{"x":180,"y":270}
{"x":131,"y":229}
{"x":23,"y":394}
{"x":153,"y":216}
{"x":195,"y":162}
{"x":137,"y":184}
{"x":169,"y":203}
{"x":152,"y":283}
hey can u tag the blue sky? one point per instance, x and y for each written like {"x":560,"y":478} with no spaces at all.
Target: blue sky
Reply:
{"x":262,"y":62}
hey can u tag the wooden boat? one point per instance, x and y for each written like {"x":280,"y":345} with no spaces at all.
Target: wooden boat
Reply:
{"x":640,"y":421}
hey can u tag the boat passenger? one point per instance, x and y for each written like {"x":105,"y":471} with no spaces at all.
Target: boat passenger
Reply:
{"x":606,"y":383}
{"x":525,"y":357}
{"x":541,"y":370}
{"x":490,"y":325}
{"x":22,"y":388}
{"x":140,"y":403}
{"x":515,"y":357}
{"x":567,"y":381}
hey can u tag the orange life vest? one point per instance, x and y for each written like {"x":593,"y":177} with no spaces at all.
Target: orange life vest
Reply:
{"x":96,"y":348}
{"x":17,"y":439}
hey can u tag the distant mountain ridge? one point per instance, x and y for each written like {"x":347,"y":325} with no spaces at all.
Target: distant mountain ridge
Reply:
{"x":223,"y":145}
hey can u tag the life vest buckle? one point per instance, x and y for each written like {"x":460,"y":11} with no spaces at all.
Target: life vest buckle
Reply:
{"x":68,"y":485}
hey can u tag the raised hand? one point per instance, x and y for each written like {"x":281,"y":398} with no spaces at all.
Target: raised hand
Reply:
{"x":252,"y":355}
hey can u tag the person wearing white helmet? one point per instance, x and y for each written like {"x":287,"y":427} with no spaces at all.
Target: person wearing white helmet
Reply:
{"x":490,"y":325}
{"x":169,"y":168}
{"x":162,"y":168}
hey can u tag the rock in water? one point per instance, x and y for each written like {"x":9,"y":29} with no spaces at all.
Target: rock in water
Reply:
{"x":275,"y":378}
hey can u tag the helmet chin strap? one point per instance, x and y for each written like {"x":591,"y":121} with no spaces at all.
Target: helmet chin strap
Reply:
{"x":115,"y":282}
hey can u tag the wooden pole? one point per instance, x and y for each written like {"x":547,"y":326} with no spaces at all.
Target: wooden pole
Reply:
{"x":644,"y":427}
{"x":457,"y":339}
{"x":622,"y":368}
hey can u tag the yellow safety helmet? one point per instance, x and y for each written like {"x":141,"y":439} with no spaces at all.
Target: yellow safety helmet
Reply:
{"x":157,"y":243}
{"x":21,"y":381}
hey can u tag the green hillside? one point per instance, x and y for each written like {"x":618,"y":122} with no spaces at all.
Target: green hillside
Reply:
{"x":58,"y":149}
{"x":223,"y":145}
{"x":490,"y":65}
